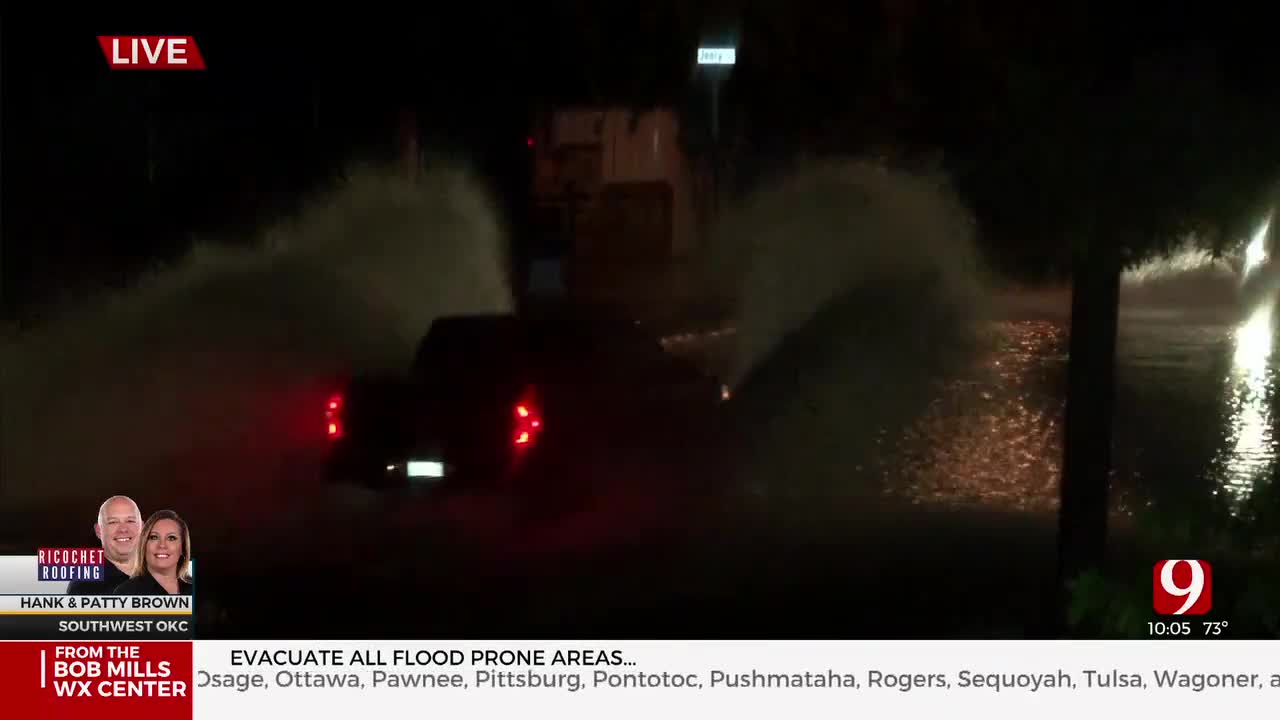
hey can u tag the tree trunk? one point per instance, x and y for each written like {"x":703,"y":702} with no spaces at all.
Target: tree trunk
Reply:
{"x":1086,"y":468}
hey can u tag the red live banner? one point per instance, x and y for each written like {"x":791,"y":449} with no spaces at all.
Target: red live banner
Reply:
{"x":87,"y":679}
{"x":151,"y":52}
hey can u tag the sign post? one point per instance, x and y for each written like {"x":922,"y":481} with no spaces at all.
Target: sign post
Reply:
{"x":718,"y":60}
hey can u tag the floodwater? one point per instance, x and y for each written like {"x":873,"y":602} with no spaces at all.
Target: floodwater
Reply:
{"x":871,"y":441}
{"x":1195,"y":417}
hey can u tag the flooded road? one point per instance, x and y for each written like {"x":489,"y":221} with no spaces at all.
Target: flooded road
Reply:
{"x":884,"y":452}
{"x":667,"y":548}
{"x":1195,"y":423}
{"x":972,"y":483}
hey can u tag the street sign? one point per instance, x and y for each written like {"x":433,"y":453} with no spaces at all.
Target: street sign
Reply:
{"x":717,"y":55}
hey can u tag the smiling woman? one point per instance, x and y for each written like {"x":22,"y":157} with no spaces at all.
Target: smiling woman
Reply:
{"x":163,"y":561}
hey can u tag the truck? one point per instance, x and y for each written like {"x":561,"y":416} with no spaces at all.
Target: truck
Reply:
{"x":540,"y":401}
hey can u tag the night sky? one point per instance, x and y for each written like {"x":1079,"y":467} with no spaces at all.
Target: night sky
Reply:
{"x":282,"y":105}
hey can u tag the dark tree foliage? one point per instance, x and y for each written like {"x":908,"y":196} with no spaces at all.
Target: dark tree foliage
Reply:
{"x":1124,"y":131}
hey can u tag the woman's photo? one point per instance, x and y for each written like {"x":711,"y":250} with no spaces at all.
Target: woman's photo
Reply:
{"x":162,"y":560}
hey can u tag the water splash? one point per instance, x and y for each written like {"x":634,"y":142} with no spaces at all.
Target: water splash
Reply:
{"x":1191,"y":280}
{"x":1188,"y":259}
{"x":816,"y":237}
{"x":859,"y":291}
{"x":201,"y":386}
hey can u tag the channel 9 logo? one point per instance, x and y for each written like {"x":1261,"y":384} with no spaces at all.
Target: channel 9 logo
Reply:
{"x":1182,"y":587}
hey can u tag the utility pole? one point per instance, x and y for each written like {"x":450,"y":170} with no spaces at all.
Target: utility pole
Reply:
{"x":715,"y":143}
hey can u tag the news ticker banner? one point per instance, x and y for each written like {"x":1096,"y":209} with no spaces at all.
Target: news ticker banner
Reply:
{"x":1015,"y":679}
{"x":639,"y":679}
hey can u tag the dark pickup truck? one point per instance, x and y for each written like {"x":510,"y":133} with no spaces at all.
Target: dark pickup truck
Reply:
{"x":494,"y":401}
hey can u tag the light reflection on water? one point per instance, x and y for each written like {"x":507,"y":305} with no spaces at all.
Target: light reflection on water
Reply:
{"x":1194,"y":418}
{"x":1182,"y":434}
{"x":993,"y":437}
{"x":1239,"y":468}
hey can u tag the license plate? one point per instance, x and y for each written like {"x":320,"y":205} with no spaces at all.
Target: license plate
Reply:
{"x":425,"y":469}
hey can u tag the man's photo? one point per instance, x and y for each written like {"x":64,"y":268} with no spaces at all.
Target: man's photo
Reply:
{"x":118,"y":527}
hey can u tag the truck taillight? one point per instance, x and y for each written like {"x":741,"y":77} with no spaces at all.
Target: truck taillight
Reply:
{"x":333,"y":417}
{"x":528,"y":424}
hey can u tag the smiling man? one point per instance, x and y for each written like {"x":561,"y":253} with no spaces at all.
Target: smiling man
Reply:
{"x":119,"y":523}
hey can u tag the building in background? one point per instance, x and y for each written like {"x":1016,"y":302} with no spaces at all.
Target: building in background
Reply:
{"x":620,"y":208}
